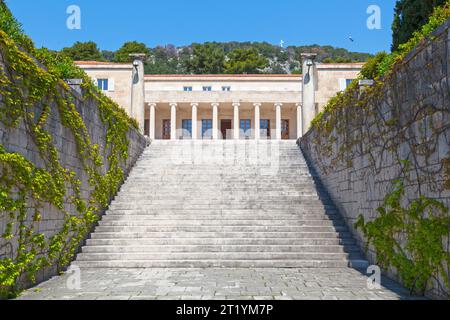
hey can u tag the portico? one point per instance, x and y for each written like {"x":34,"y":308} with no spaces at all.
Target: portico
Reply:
{"x":222,"y":106}
{"x":222,"y":121}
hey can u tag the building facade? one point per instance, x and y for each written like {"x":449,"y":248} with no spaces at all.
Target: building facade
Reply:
{"x":222,"y":106}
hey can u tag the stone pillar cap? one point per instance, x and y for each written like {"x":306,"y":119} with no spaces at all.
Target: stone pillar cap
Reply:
{"x":138,"y":56}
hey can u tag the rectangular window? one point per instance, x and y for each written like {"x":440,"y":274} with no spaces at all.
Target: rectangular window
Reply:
{"x":187,"y":128}
{"x":246,"y":127}
{"x":226,"y":89}
{"x":187,"y":89}
{"x":207,"y":88}
{"x":207,"y":128}
{"x":102,"y":84}
{"x":265,"y":128}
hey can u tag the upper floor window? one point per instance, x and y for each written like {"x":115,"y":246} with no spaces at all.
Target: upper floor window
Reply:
{"x":344,"y":83}
{"x":208,"y":88}
{"x":187,"y":89}
{"x":226,"y":88}
{"x":103,"y":84}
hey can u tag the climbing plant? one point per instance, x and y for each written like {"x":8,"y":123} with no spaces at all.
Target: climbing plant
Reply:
{"x":410,"y":239}
{"x":31,"y":86}
{"x":393,"y":123}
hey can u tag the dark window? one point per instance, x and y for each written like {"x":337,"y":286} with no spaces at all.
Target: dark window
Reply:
{"x":207,"y":88}
{"x":188,"y":89}
{"x":207,"y":128}
{"x":246,"y":126}
{"x":187,"y":128}
{"x":265,"y":128}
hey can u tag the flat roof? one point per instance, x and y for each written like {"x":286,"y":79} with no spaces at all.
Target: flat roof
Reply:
{"x":102,"y":63}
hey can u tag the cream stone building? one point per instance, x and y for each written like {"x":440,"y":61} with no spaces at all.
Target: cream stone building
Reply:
{"x":222,"y":106}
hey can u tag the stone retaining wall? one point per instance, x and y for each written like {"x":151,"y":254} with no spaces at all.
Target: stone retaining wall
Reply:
{"x":17,"y":140}
{"x":359,"y":175}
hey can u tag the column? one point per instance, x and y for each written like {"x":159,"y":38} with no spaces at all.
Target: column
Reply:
{"x":173,"y":121}
{"x":236,"y":130}
{"x":137,"y":108}
{"x":278,"y":120}
{"x":308,"y":91}
{"x":215,"y":119}
{"x":299,"y":121}
{"x":257,"y":120}
{"x":194,"y":121}
{"x":152,"y":129}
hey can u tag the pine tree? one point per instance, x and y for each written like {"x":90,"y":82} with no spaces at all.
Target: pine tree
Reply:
{"x":410,"y":15}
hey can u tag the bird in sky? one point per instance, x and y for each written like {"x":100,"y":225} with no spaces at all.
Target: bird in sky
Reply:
{"x":351,"y":39}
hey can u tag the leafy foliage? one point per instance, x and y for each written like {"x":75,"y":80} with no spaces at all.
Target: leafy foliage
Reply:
{"x":410,"y":239}
{"x":83,"y":51}
{"x":211,"y":56}
{"x":371,"y":69}
{"x":410,"y":15}
{"x":31,"y":82}
{"x":123,"y":54}
{"x":206,"y":59}
{"x":245,"y":61}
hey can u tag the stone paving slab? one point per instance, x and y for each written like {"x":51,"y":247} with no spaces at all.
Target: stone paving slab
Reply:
{"x":217,"y":284}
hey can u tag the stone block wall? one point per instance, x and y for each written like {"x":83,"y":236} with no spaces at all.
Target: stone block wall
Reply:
{"x":17,"y":140}
{"x":360,"y":157}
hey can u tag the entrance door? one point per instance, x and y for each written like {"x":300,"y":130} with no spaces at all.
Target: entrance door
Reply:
{"x":285,"y":129}
{"x":265,"y":128}
{"x":225,"y":126}
{"x":166,"y":129}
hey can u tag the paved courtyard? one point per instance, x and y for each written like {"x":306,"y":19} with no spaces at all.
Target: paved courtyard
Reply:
{"x":221,"y":284}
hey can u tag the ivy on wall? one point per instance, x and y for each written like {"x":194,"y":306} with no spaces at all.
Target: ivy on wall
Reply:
{"x":410,"y":235}
{"x":30,"y":85}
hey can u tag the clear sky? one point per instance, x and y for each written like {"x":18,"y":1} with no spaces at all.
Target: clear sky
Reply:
{"x":297,"y":22}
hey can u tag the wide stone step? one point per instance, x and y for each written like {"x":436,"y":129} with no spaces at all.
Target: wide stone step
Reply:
{"x":217,"y":198}
{"x":220,"y":234}
{"x":222,"y":242}
{"x":223,"y":256}
{"x":217,"y":206}
{"x":217,"y":228}
{"x":224,"y":214}
{"x":129,"y":264}
{"x":157,"y":219}
{"x":124,"y":221}
{"x":218,"y":248}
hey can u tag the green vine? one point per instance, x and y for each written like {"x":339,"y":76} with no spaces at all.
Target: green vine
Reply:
{"x":380,"y":128}
{"x":410,"y":239}
{"x":30,"y":84}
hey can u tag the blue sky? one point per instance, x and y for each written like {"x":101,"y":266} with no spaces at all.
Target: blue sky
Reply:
{"x":297,"y":22}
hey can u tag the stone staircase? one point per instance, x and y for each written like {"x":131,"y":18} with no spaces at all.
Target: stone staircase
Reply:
{"x":221,"y":204}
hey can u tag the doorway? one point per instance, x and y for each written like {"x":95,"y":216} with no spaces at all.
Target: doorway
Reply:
{"x":166,"y":129}
{"x":265,"y":128}
{"x":225,"y":127}
{"x":285,"y":129}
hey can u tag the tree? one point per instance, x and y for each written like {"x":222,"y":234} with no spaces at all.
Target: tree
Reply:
{"x":371,"y":68}
{"x":108,"y":55}
{"x":410,"y":15}
{"x":162,"y":60}
{"x":83,"y":51}
{"x":123,"y":54}
{"x":206,"y":59}
{"x":245,"y":61}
